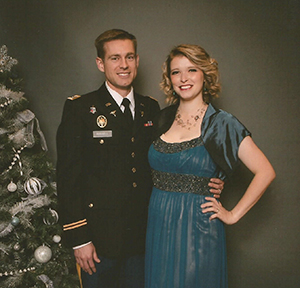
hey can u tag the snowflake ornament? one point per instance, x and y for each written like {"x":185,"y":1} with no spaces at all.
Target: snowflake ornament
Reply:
{"x":6,"y":62}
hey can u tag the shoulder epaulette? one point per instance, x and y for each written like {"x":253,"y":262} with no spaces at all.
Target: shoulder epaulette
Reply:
{"x":152,"y":98}
{"x":74,"y":97}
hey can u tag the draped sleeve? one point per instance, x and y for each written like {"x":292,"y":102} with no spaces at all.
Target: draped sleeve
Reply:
{"x":222,"y":134}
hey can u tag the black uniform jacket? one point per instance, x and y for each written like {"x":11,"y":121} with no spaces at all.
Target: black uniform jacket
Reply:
{"x":103,"y":176}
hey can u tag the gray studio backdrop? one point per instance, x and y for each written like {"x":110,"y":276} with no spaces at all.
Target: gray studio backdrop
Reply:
{"x":257,"y":46}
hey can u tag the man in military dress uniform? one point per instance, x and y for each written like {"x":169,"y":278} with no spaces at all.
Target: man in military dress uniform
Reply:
{"x":103,"y":176}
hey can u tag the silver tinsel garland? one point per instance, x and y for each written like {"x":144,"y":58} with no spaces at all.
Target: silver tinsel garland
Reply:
{"x":6,"y":230}
{"x":6,"y":62}
{"x":26,"y":207}
{"x":8,"y":94}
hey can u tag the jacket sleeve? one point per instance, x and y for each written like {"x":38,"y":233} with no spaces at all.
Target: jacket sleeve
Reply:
{"x":222,"y":134}
{"x":69,"y":182}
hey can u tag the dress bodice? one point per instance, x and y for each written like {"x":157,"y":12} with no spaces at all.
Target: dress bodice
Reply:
{"x":188,"y":157}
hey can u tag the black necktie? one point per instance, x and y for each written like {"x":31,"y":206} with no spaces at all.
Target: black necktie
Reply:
{"x":127,"y":112}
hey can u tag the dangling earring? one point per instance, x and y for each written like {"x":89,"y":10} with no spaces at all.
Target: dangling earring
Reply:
{"x":174,"y":93}
{"x":204,"y":88}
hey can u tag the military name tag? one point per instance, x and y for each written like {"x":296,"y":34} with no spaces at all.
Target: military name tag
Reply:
{"x":102,"y":134}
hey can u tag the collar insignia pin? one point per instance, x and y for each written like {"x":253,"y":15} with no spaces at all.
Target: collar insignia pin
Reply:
{"x":113,"y":113}
{"x":107,"y":104}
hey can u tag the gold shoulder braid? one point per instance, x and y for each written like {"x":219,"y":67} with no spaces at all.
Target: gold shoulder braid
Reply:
{"x":74,"y":97}
{"x":153,"y":98}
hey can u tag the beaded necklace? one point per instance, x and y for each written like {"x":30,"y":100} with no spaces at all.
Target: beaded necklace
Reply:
{"x":190,"y":123}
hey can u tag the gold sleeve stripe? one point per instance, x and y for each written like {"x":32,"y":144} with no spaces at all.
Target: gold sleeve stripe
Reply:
{"x":73,"y":227}
{"x":75,"y":223}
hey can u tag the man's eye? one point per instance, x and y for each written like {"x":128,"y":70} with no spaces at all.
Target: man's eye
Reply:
{"x":131,"y":57}
{"x":114,"y":58}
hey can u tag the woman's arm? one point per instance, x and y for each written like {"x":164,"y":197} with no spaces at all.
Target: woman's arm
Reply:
{"x":264,"y":174}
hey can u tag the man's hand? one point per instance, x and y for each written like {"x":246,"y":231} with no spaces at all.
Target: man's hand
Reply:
{"x":217,"y":186}
{"x":85,"y":257}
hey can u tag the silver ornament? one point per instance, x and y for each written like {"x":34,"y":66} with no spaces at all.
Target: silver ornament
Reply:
{"x":15,"y":221}
{"x":17,"y":247}
{"x":34,"y":186}
{"x":51,"y":217}
{"x":56,"y":238}
{"x":42,"y":254}
{"x":12,"y":187}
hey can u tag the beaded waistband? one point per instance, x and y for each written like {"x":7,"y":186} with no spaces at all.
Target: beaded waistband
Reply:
{"x":184,"y":183}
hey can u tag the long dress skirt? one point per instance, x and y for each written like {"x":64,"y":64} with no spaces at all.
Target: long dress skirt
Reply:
{"x":183,"y":248}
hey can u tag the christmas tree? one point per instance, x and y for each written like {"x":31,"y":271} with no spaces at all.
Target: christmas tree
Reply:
{"x":31,"y":253}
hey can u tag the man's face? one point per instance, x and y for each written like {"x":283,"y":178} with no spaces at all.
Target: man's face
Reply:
{"x":119,"y":65}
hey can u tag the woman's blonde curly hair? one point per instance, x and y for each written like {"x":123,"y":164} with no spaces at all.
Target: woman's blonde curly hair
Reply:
{"x":201,"y":59}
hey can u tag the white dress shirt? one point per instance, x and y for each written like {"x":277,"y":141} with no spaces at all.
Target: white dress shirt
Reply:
{"x":118,"y":98}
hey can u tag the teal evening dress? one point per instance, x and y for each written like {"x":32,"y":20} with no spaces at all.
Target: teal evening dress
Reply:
{"x":183,"y":248}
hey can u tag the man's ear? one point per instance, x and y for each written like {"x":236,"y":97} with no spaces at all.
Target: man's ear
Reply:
{"x":100,"y":64}
{"x":137,"y":60}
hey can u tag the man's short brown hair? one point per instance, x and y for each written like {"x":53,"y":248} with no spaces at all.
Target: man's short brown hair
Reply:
{"x":110,"y":35}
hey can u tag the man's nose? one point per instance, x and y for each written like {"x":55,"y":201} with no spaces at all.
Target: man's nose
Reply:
{"x":124,"y":64}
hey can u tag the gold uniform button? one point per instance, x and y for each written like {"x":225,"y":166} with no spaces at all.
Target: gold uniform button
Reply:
{"x":101,"y":141}
{"x":132,"y":139}
{"x":133,"y":170}
{"x":91,"y":205}
{"x":132,"y":154}
{"x":134,"y":185}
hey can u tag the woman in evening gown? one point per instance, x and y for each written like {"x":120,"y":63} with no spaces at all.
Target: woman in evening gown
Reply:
{"x":185,"y":245}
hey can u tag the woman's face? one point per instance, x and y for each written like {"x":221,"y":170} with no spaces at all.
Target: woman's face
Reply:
{"x":187,"y":79}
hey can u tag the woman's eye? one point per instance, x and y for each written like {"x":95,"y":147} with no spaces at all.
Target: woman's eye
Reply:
{"x":193,"y":70}
{"x":174,"y":72}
